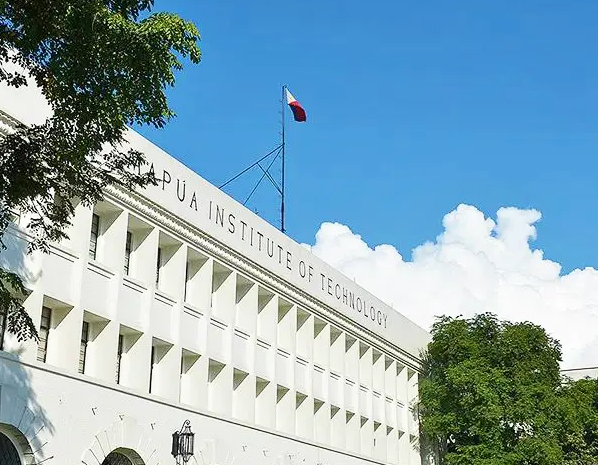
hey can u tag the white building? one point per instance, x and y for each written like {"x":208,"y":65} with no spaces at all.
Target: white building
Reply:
{"x":580,"y":373}
{"x":177,"y":303}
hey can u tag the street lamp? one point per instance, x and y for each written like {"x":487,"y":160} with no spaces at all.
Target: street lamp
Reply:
{"x":182,"y":443}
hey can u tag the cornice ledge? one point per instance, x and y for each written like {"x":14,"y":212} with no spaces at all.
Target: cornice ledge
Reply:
{"x":198,"y":237}
{"x":202,"y":240}
{"x":8,"y":124}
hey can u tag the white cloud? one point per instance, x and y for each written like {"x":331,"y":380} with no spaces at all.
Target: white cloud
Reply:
{"x":476,"y":264}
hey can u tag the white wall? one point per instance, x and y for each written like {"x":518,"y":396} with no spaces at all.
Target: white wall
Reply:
{"x":202,"y":205}
{"x":214,"y":213}
{"x":322,"y":383}
{"x":263,"y":333}
{"x":48,"y":404}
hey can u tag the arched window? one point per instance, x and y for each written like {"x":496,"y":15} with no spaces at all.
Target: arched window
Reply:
{"x":116,"y":458}
{"x":8,"y":452}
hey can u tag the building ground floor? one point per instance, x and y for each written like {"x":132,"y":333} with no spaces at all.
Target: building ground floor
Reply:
{"x":52,"y":417}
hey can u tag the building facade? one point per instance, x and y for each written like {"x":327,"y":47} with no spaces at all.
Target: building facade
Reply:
{"x":575,"y":374}
{"x":176,"y":303}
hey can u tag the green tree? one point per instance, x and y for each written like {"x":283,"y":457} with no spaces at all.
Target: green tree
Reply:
{"x":578,"y":415}
{"x":102,"y":65}
{"x":489,"y":391}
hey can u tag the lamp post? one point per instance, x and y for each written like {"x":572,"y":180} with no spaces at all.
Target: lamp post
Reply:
{"x":182,"y":443}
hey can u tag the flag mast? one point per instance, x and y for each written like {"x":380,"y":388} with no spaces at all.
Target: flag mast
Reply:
{"x":282,"y":115}
{"x":298,"y":115}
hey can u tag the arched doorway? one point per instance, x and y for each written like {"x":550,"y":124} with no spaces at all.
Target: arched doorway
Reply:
{"x":122,"y":456}
{"x":128,"y":439}
{"x":9,"y":455}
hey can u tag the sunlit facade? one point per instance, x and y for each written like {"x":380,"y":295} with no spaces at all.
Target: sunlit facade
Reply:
{"x":176,"y":303}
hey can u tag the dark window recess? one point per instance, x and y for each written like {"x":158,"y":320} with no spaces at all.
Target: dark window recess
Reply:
{"x":152,"y":362}
{"x":3,"y":322}
{"x":44,"y":332}
{"x":14,"y":216}
{"x":119,"y":355}
{"x":158,"y":265}
{"x":186,"y":282}
{"x":93,"y":240}
{"x":128,"y":251}
{"x":83,"y":347}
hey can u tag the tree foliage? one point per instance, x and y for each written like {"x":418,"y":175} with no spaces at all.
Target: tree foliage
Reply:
{"x":102,"y":66}
{"x":492,"y":393}
{"x":578,"y":414}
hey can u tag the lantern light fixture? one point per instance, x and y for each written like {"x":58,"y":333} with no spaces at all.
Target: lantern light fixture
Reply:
{"x":183,"y":443}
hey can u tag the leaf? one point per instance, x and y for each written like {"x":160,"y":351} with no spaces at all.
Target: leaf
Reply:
{"x":488,"y":393}
{"x":102,"y":66}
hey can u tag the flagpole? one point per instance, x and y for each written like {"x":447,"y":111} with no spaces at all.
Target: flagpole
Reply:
{"x":282,"y":229}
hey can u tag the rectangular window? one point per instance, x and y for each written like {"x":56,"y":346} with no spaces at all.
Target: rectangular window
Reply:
{"x":158,"y":265}
{"x":44,"y":332}
{"x":181,"y":379}
{"x":83,"y":347}
{"x":152,"y":362}
{"x":186,"y":282}
{"x":119,"y":355}
{"x":3,"y":323}
{"x":128,"y":252}
{"x":93,"y":240}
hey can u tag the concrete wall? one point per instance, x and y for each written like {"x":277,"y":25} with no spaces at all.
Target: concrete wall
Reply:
{"x":240,"y":351}
{"x":218,"y":318}
{"x":71,"y":419}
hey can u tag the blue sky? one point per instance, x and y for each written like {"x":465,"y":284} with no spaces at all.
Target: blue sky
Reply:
{"x":413,"y":108}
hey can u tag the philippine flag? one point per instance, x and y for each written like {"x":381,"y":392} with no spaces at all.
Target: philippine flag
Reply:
{"x":296,"y":108}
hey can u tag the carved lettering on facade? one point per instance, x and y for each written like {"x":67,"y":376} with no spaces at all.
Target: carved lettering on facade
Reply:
{"x":233,"y":224}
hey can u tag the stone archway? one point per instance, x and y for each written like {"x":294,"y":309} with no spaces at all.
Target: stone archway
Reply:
{"x":123,"y":456}
{"x":26,"y":428}
{"x":125,"y":442}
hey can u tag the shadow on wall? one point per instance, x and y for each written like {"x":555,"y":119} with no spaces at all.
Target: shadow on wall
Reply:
{"x":22,"y":417}
{"x":16,"y":259}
